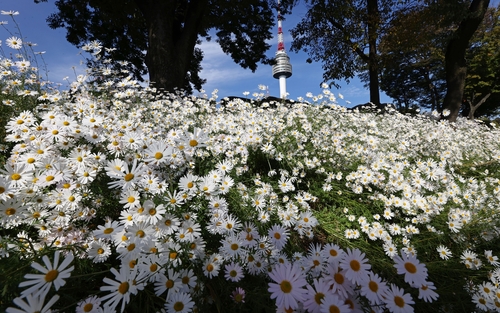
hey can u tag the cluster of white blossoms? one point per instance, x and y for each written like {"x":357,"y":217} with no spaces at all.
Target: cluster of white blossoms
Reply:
{"x":178,"y":190}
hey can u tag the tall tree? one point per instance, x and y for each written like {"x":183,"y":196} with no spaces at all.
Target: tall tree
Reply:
{"x":412,"y":59}
{"x":344,"y":35}
{"x":455,"y":61}
{"x":160,"y":36}
{"x":482,"y":84}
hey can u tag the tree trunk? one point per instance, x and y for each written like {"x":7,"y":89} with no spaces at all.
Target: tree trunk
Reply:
{"x":473,"y":108}
{"x":171,"y":41}
{"x":455,"y":64}
{"x":373,"y":22}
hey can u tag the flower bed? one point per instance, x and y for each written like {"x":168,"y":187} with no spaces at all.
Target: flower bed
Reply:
{"x":116,"y":198}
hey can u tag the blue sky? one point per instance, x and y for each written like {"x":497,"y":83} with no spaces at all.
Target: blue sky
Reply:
{"x":221,"y":72}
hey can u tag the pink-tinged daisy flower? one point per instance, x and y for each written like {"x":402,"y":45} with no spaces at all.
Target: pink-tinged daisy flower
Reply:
{"x":334,"y":304}
{"x":355,"y":263}
{"x":238,"y":295}
{"x":33,"y":304}
{"x":53,"y":274}
{"x":397,"y":301}
{"x":288,"y":289}
{"x":414,"y":271}
{"x":179,"y":303}
{"x":315,"y":296}
{"x":278,"y":236}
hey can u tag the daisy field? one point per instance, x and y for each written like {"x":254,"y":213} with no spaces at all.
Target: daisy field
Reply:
{"x":115,"y":197}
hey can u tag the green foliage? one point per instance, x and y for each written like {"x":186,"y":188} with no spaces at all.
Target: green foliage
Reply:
{"x":483,"y":78}
{"x":128,"y":28}
{"x":413,"y":56}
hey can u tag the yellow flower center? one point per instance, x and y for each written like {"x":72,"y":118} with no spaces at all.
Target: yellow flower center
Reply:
{"x":129,"y":177}
{"x":169,"y":284}
{"x":286,"y":286}
{"x":339,"y":278}
{"x":123,"y":288}
{"x":131,"y":199}
{"x":410,"y":268}
{"x":153,"y":267}
{"x":400,"y":302}
{"x":193,"y":143}
{"x":88,"y":307}
{"x":152,"y":211}
{"x":100,"y":251}
{"x":30,"y":160}
{"x":210,"y":267}
{"x":333,"y":309}
{"x":373,"y":286}
{"x":132,"y":263}
{"x":190,"y":185}
{"x":234,"y":246}
{"x":178,"y":306}
{"x":10,"y":211}
{"x":140,"y":233}
{"x":158,"y":155}
{"x":108,"y":230}
{"x":355,"y":265}
{"x":131,"y":247}
{"x":15,"y":176}
{"x":238,"y":298}
{"x":319,"y":297}
{"x":51,"y":275}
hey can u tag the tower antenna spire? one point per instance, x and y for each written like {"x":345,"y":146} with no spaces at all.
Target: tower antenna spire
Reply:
{"x":282,"y":69}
